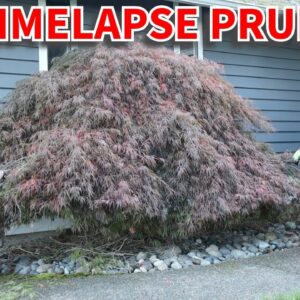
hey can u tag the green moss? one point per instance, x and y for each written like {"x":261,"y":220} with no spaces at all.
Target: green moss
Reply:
{"x":76,"y":254}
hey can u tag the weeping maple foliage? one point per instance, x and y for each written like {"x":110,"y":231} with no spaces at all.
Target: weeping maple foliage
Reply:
{"x":134,"y":137}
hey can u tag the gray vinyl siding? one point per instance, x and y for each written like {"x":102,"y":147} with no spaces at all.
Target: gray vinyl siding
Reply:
{"x":17,"y":61}
{"x":268,"y":75}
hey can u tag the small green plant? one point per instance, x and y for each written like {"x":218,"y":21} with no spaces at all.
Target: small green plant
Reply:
{"x":76,"y":255}
{"x":103,"y":263}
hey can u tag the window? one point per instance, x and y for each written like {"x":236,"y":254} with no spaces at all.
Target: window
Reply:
{"x":193,"y":49}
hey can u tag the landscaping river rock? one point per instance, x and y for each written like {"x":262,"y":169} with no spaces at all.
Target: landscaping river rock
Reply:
{"x":204,"y":251}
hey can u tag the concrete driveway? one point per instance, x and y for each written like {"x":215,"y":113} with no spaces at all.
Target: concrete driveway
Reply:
{"x":256,"y":278}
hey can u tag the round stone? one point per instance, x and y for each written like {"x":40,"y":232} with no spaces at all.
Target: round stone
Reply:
{"x":148,"y":265}
{"x":25,"y":271}
{"x":59,"y":270}
{"x":196,"y":260}
{"x":137,"y":271}
{"x":185,"y":261}
{"x":260,"y":236}
{"x":238,"y":254}
{"x":170,"y":252}
{"x":252,"y":249}
{"x":213,"y":250}
{"x":270,"y":236}
{"x":205,"y":262}
{"x":290,"y":225}
{"x":43,"y":268}
{"x":176,"y":265}
{"x":143,"y":269}
{"x":225,"y":251}
{"x":261,"y":244}
{"x":160,"y":265}
{"x":141,"y":255}
{"x":153,"y":259}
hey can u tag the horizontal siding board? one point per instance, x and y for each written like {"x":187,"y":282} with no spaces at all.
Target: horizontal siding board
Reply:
{"x":282,"y":116}
{"x":25,"y":43}
{"x":280,"y":126}
{"x":258,"y":50}
{"x":268,"y":94}
{"x":10,"y":80}
{"x":285,"y":147}
{"x":19,"y":53}
{"x":246,"y":60}
{"x":18,"y":67}
{"x":268,"y":74}
{"x":17,"y":60}
{"x":281,"y":105}
{"x":278,"y":137}
{"x":4,"y":93}
{"x":261,"y":72}
{"x":263,"y":83}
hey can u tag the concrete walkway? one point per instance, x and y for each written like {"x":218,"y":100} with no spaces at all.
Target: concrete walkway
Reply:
{"x":255,"y":278}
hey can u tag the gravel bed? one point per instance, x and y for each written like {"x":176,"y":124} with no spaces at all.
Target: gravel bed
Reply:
{"x":203,"y":251}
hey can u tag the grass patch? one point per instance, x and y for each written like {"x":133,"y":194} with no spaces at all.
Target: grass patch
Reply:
{"x":294,"y":296}
{"x":13,"y":287}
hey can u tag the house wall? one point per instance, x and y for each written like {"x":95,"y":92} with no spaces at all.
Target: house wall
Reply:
{"x":269,"y":75}
{"x":16,"y":61}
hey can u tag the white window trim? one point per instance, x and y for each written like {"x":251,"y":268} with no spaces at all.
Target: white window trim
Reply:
{"x":176,"y":45}
{"x":73,"y":3}
{"x":43,"y":49}
{"x":200,"y":46}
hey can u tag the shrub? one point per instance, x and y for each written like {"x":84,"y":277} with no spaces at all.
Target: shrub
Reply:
{"x":136,"y":139}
